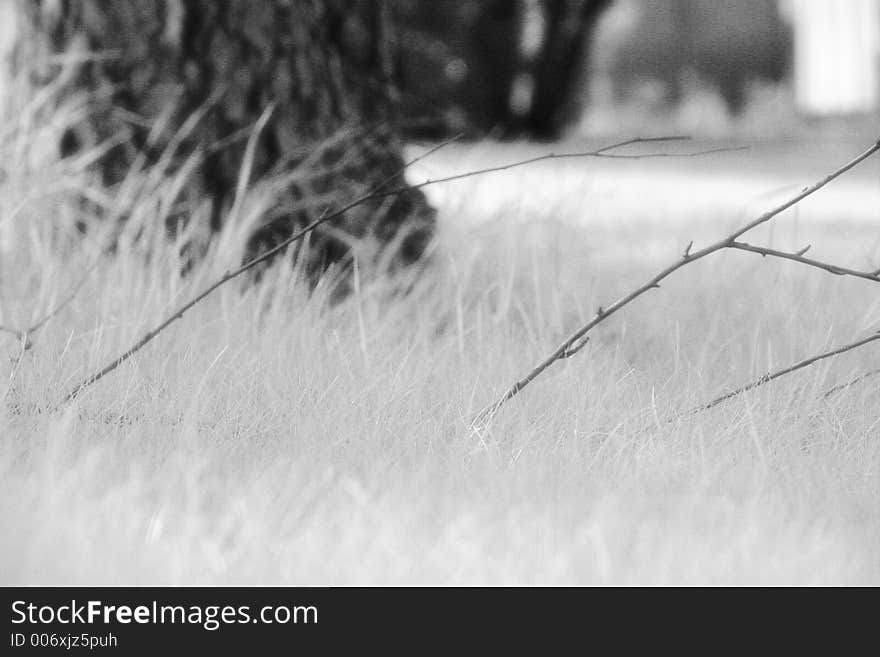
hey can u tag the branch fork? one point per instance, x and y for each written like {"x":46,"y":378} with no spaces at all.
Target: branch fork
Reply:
{"x":563,"y":351}
{"x":378,"y":192}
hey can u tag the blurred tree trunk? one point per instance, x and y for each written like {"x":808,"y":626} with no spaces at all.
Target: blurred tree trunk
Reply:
{"x":559,"y":71}
{"x":464,"y":64}
{"x":326,"y":64}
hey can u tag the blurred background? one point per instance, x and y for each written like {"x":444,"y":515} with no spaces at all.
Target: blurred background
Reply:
{"x":759,"y":67}
{"x":548,"y":68}
{"x":792,"y":87}
{"x":786,"y":87}
{"x":766,"y":68}
{"x":545,"y":68}
{"x":551,"y":68}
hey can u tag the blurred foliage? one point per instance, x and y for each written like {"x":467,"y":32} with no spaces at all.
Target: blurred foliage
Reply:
{"x":727,"y":44}
{"x":505,"y":67}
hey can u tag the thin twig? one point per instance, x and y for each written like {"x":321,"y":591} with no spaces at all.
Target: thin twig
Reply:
{"x":375,"y":193}
{"x":83,"y":161}
{"x":179,"y":312}
{"x":485,"y":416}
{"x":843,"y":386}
{"x":38,"y":324}
{"x":599,"y":153}
{"x":778,"y":373}
{"x":798,"y":256}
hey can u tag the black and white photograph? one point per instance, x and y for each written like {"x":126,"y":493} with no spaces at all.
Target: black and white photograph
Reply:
{"x":437,"y":293}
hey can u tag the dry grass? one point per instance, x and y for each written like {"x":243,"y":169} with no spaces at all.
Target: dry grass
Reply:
{"x":270,"y":437}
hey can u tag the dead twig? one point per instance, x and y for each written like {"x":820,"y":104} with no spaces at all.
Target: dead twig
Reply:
{"x":38,"y":324}
{"x":843,"y":386}
{"x":177,"y":314}
{"x":374,"y":193}
{"x":770,"y":376}
{"x":798,"y":256}
{"x":483,"y":418}
{"x":24,"y":335}
{"x":599,"y":153}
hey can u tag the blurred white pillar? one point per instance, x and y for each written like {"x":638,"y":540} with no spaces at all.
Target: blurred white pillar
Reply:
{"x":8,"y":30}
{"x":836,"y":56}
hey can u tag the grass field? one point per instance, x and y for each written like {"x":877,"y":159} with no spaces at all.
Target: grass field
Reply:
{"x":271,"y":437}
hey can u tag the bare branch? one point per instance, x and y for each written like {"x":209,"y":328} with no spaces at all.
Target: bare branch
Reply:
{"x":778,"y":373}
{"x":486,"y":415}
{"x":843,"y":386}
{"x":599,"y":152}
{"x":38,"y":324}
{"x":798,"y":256}
{"x":376,"y":193}
{"x":179,"y":312}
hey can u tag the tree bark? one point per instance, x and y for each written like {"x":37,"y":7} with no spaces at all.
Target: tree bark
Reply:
{"x":327,"y":65}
